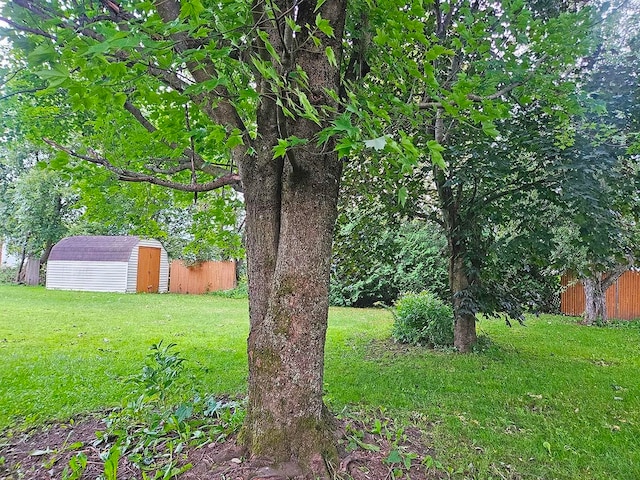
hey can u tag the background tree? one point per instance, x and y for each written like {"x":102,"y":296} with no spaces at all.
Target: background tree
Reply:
{"x":379,"y":251}
{"x":599,"y":241}
{"x":35,"y":206}
{"x":474,"y":75}
{"x":194,"y":231}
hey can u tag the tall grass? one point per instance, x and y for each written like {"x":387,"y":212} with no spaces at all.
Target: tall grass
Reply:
{"x":550,"y":400}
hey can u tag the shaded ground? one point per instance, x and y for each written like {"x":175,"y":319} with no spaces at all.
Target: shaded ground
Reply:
{"x":375,"y":452}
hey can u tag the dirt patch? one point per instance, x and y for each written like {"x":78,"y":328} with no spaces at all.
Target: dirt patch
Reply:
{"x":366,"y":454}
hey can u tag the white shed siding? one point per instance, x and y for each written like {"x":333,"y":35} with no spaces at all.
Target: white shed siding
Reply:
{"x":87,"y":275}
{"x":132,"y":270}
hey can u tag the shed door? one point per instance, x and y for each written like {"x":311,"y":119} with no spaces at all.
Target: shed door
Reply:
{"x":148,"y":270}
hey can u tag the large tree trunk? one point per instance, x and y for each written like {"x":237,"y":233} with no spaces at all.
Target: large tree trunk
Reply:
{"x":44,"y":258}
{"x":291,"y":205}
{"x":289,"y":235}
{"x":595,"y":301}
{"x":595,"y":293}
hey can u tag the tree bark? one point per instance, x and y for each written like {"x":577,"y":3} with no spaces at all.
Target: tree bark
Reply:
{"x":288,"y":250}
{"x":464,"y":332}
{"x":595,"y":301}
{"x":20,"y":273}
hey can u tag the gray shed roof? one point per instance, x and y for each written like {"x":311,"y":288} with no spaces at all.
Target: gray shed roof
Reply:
{"x":94,"y":248}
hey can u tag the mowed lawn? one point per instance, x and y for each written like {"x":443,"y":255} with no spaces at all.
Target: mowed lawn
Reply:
{"x":550,"y":400}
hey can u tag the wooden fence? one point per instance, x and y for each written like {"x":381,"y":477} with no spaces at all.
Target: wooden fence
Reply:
{"x":623,"y":297}
{"x":201,"y":277}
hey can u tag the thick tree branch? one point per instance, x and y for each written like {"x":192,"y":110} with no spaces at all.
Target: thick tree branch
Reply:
{"x":126,"y":175}
{"x":614,"y":274}
{"x":137,"y":114}
{"x":24,"y":28}
{"x":224,"y":112}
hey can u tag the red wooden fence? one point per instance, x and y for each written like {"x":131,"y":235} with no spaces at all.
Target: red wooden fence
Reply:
{"x":623,"y":297}
{"x":201,"y":277}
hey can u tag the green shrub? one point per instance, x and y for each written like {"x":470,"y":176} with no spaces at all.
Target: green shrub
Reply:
{"x":8,"y":275}
{"x":423,"y":319}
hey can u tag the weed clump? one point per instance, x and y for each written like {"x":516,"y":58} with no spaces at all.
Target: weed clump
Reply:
{"x":152,"y":429}
{"x":423,"y":319}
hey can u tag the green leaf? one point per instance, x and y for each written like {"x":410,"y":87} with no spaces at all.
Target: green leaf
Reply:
{"x":344,"y":147}
{"x":60,"y":160}
{"x":343,"y":124}
{"x":235,"y":139}
{"x":319,"y":4}
{"x":42,"y":53}
{"x":438,"y":50}
{"x":291,"y":23}
{"x":98,"y":48}
{"x":55,"y":77}
{"x":111,"y":463}
{"x":120,"y":99}
{"x":490,"y":129}
{"x":127,"y":42}
{"x":403,"y":193}
{"x":183,"y":412}
{"x":265,"y":40}
{"x":393,"y":457}
{"x":367,"y":446}
{"x":310,"y":111}
{"x":324,"y":26}
{"x":331,"y":57}
{"x":191,"y":8}
{"x":376,"y":143}
{"x":435,"y":151}
{"x":280,"y":150}
{"x":266,"y":70}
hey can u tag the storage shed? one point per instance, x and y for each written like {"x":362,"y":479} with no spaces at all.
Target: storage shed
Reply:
{"x":123,"y":264}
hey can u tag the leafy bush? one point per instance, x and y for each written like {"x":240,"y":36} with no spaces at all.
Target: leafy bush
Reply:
{"x":423,"y":319}
{"x":7,"y":274}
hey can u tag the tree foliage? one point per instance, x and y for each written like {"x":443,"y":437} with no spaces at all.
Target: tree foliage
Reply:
{"x":475,"y":124}
{"x":375,"y":261}
{"x":598,"y":241}
{"x":35,"y":204}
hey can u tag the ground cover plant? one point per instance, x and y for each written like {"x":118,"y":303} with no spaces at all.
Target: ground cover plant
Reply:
{"x":553,"y":399}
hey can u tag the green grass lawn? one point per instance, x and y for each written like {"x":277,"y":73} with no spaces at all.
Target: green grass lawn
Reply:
{"x":549,"y":400}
